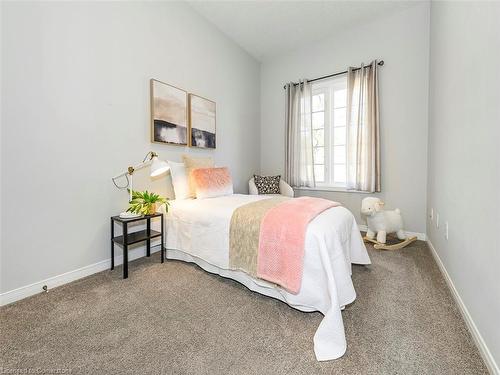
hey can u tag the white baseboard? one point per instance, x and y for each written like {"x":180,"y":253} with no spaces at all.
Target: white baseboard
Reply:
{"x":67,"y":277}
{"x":420,"y":236}
{"x":476,"y":335}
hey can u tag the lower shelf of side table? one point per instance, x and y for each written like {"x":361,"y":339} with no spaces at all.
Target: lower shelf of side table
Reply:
{"x":134,"y":237}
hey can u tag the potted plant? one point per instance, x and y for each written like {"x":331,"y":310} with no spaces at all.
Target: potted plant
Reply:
{"x":146,"y":203}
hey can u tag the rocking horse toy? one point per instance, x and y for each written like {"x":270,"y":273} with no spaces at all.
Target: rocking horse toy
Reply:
{"x":381,"y":222}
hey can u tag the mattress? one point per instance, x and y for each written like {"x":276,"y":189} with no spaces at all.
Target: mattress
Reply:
{"x":197,"y":230}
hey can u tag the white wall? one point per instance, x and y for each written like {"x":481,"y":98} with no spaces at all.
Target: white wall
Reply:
{"x":75,"y":111}
{"x":464,"y":156}
{"x":402,"y":40}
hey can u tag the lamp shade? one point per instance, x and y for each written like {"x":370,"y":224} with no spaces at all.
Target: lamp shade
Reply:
{"x":158,"y":167}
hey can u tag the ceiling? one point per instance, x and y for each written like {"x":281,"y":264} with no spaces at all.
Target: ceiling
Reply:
{"x":269,"y":28}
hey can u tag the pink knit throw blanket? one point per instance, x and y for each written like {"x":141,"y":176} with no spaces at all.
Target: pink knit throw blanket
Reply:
{"x":282,"y":240}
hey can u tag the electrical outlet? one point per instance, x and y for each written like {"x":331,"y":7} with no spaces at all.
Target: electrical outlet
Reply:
{"x":437,"y":220}
{"x":446,"y":230}
{"x":432,"y":214}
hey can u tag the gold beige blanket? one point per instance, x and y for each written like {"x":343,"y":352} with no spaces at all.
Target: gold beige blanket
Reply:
{"x":244,"y":234}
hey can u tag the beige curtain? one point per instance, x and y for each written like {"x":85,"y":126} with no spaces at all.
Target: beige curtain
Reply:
{"x":363,"y":135}
{"x":299,"y":171}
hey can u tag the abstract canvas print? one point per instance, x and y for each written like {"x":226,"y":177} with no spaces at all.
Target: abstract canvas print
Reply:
{"x":202,"y":122}
{"x":168,"y":114}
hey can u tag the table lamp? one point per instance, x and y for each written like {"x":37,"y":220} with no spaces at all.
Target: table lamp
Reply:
{"x":157,"y":167}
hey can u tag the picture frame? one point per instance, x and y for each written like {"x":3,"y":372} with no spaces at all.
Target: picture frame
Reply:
{"x":169,"y":114}
{"x":202,"y":122}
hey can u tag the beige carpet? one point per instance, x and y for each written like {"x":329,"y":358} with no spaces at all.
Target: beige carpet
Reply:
{"x":177,"y":319}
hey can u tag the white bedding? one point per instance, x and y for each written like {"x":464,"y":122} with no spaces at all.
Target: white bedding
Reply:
{"x":198,"y":231}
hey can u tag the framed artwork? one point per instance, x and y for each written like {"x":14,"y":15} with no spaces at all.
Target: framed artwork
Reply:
{"x":202,"y":119}
{"x":168,"y":114}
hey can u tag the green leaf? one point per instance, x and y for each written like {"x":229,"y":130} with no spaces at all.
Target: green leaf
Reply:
{"x":142,"y":201}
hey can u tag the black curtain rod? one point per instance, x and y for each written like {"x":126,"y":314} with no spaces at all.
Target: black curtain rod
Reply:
{"x":380,"y":63}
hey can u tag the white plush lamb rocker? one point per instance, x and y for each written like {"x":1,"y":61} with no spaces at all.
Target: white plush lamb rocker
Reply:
{"x":381,"y":222}
{"x":285,"y":189}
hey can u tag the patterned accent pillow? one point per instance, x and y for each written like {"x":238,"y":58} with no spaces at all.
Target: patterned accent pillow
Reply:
{"x":267,"y":184}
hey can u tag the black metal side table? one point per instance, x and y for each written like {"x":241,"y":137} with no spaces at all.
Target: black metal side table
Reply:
{"x":130,"y":238}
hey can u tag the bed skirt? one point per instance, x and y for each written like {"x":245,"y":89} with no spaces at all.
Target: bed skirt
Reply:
{"x":255,"y":285}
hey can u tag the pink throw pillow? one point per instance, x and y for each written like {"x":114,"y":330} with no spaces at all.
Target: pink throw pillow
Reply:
{"x":212,"y":182}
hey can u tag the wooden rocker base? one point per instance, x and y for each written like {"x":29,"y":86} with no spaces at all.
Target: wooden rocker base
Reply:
{"x":396,"y":246}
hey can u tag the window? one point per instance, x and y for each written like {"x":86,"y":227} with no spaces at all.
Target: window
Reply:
{"x":329,"y":132}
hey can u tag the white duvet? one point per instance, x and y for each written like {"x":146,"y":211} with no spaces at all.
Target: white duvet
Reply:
{"x":198,"y":231}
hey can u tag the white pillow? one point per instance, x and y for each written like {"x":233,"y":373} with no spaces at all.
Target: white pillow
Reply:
{"x":179,"y":180}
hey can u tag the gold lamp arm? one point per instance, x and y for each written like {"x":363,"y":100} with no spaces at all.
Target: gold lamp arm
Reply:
{"x":130,"y":172}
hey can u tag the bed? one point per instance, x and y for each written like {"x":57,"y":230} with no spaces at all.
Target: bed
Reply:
{"x":198,"y":231}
